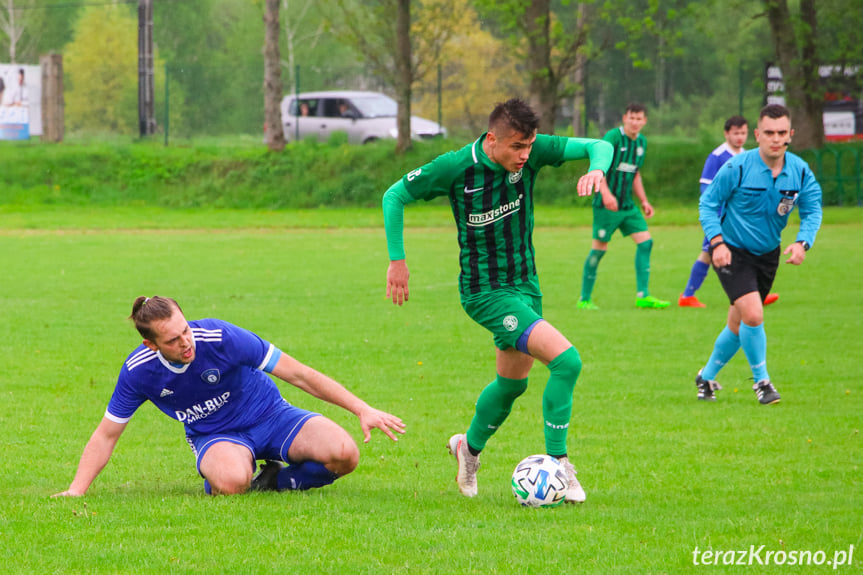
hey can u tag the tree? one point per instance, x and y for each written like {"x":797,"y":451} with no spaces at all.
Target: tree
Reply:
{"x":295,"y":23}
{"x":16,"y":19}
{"x":401,"y":50}
{"x":101,"y":69}
{"x":101,"y":74}
{"x":794,"y":38}
{"x":272,"y":78}
{"x":549,"y":46}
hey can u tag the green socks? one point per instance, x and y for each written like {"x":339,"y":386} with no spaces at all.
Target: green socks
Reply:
{"x":492,"y":408}
{"x":642,"y":267}
{"x":557,"y":399}
{"x":589,"y":276}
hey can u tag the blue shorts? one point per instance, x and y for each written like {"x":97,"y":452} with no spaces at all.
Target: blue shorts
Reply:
{"x":270,"y":439}
{"x":705,"y":245}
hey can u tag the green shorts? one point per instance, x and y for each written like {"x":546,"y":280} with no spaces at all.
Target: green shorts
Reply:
{"x":605,"y":222}
{"x":506,"y":313}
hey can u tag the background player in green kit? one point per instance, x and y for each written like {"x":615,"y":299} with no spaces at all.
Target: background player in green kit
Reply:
{"x":490,"y":185}
{"x":614,"y":209}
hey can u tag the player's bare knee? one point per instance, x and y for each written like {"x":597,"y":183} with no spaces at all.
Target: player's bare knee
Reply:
{"x":346,"y":458}
{"x":753,"y":318}
{"x":230,"y":485}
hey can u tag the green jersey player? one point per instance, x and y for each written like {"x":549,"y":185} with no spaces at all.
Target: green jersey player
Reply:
{"x":615,"y":209}
{"x":490,"y":185}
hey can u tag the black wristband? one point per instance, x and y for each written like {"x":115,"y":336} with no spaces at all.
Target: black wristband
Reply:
{"x":716,"y":245}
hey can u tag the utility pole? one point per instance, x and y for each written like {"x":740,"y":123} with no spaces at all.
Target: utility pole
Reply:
{"x":146,"y":88}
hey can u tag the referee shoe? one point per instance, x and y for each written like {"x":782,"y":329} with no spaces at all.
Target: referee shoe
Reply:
{"x":706,"y":388}
{"x":765,"y":392}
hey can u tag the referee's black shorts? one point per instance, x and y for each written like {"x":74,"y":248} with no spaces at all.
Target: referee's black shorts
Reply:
{"x":748,"y":273}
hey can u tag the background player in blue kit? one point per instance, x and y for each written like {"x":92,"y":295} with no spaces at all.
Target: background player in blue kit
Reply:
{"x":756,"y":191}
{"x":736,"y":132}
{"x":211,"y":375}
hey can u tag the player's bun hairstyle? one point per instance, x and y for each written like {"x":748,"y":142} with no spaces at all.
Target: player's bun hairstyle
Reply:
{"x":146,"y":310}
{"x":514,"y":114}
{"x":735,"y":122}
{"x":774,"y":112}
{"x":635,"y":108}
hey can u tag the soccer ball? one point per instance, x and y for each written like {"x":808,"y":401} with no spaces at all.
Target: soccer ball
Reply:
{"x":539,"y":481}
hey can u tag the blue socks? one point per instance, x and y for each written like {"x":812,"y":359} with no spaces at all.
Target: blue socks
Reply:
{"x":696,"y":277}
{"x":753,"y":340}
{"x":724,"y":349}
{"x":305,"y":475}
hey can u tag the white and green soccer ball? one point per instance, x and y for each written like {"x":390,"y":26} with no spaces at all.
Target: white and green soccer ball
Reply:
{"x":539,"y":481}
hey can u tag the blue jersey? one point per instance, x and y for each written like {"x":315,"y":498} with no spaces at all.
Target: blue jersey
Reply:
{"x":223,"y":389}
{"x":755,"y":205}
{"x":714,"y":161}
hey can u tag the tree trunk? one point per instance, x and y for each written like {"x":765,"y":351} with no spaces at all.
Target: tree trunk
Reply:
{"x":543,"y":85}
{"x":404,"y":72}
{"x":272,"y":78}
{"x":579,"y":103}
{"x":797,"y":60}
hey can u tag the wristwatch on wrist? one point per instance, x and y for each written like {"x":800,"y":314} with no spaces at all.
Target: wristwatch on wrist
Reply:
{"x":805,"y":245}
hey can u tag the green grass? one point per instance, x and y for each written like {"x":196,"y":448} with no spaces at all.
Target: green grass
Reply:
{"x":663,"y":472}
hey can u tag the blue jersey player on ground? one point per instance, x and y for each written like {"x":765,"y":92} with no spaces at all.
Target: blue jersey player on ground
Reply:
{"x":756,"y":192}
{"x":211,"y":376}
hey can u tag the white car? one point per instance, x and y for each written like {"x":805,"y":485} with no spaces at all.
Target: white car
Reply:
{"x":364,"y":116}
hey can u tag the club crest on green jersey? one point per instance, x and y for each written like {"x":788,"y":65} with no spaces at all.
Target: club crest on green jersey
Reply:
{"x":515,"y":177}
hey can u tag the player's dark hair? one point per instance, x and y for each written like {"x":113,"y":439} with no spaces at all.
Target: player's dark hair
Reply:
{"x":514,"y":114}
{"x":774,"y":112}
{"x":635,"y":108}
{"x":146,"y":310}
{"x":735,"y":122}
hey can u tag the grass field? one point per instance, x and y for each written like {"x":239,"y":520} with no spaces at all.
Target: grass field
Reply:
{"x":664,"y":474}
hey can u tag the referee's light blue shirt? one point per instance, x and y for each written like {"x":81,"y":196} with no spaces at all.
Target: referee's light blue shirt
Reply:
{"x":755,"y":206}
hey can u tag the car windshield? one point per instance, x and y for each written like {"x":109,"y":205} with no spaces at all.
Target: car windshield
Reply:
{"x":375,"y":106}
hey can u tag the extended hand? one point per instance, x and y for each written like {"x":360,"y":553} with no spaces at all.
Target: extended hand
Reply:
{"x":67,"y":493}
{"x":798,"y":254}
{"x":397,"y":281}
{"x":589,"y":182}
{"x":371,"y":418}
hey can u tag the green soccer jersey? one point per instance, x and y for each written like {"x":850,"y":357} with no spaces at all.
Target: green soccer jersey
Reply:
{"x":628,"y":159}
{"x":493,"y":211}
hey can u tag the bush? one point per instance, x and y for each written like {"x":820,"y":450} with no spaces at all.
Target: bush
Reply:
{"x":305,"y":175}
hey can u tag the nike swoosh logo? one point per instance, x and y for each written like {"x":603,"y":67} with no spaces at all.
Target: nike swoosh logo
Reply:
{"x":467,"y":191}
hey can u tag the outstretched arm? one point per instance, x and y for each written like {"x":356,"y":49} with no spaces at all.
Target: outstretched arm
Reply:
{"x":96,"y":455}
{"x":600,"y":153}
{"x":319,"y":385}
{"x":394,"y":202}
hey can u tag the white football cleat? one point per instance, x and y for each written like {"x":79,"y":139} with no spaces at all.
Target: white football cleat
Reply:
{"x":467,"y":464}
{"x":574,"y":493}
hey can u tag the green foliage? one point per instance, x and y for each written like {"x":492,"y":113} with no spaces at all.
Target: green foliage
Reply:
{"x":306,"y":174}
{"x":663,"y":472}
{"x":101,"y":70}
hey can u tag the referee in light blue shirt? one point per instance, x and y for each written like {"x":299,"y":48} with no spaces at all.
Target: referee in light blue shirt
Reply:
{"x":756,"y":192}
